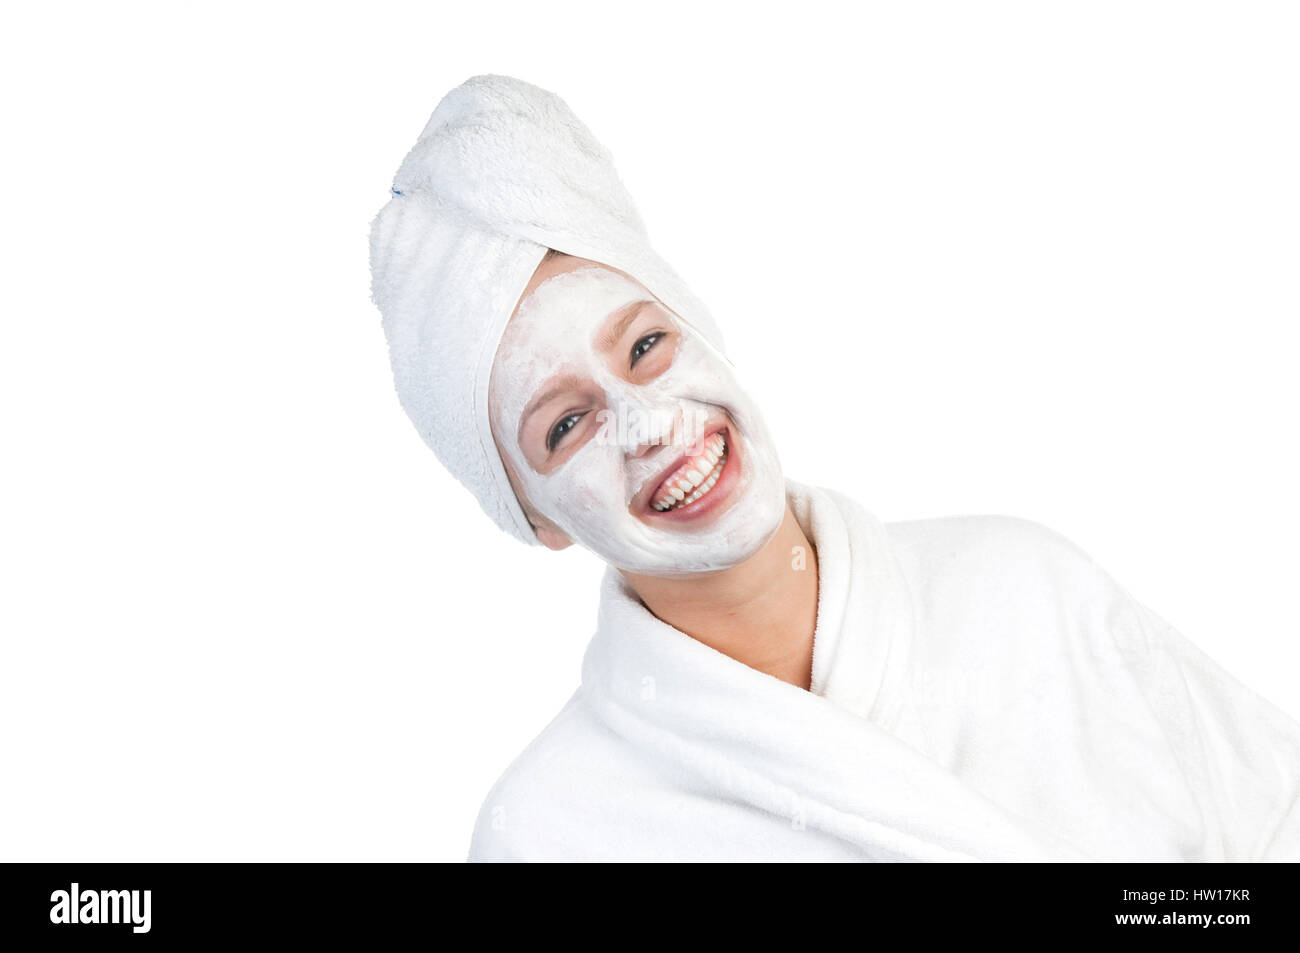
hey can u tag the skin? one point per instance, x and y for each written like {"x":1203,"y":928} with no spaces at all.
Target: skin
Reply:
{"x":761,"y":611}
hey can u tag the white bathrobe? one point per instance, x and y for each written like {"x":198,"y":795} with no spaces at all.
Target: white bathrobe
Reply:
{"x":981,"y":691}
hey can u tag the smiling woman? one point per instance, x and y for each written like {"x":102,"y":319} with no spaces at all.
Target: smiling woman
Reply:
{"x":610,"y":413}
{"x":775,"y":674}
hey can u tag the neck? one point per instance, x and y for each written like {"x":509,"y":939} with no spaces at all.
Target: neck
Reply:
{"x":762,"y":612}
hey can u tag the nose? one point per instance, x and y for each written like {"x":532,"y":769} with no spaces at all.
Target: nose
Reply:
{"x":642,"y":425}
{"x":641,"y":450}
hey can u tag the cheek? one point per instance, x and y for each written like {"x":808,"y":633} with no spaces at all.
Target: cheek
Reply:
{"x":696,"y":373}
{"x":587,"y":489}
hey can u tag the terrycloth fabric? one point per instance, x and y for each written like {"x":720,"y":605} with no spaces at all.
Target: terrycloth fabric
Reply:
{"x":982,"y":691}
{"x":502,"y":171}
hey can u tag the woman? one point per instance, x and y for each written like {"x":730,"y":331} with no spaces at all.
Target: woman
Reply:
{"x":775,"y":673}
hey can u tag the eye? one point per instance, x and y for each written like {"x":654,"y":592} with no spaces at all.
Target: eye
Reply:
{"x":562,"y":427}
{"x":644,"y":345}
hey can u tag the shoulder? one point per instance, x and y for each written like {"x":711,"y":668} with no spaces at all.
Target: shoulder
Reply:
{"x":978,"y":532}
{"x":996,"y":553}
{"x":1019,"y":608}
{"x":948,"y":538}
{"x":552,"y":789}
{"x":988,"y":543}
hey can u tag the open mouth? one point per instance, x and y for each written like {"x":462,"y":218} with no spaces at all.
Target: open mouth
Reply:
{"x":694,"y":478}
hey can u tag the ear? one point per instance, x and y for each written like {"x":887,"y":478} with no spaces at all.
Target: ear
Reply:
{"x":552,"y":538}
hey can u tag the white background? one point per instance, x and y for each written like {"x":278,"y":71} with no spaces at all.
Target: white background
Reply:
{"x":1037,"y":259}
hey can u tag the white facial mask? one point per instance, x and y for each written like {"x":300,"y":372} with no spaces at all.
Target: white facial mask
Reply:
{"x":589,"y":494}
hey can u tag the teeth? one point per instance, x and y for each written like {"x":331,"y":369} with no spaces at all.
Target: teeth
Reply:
{"x":693,"y":484}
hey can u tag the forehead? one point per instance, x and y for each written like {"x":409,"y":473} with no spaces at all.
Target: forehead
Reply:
{"x":566,"y":301}
{"x":556,"y":264}
{"x":560,"y":264}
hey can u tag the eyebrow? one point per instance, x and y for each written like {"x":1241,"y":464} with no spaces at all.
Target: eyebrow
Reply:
{"x":557,"y":387}
{"x":606,"y":340}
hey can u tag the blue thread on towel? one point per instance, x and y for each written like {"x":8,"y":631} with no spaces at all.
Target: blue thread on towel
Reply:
{"x":397,"y":191}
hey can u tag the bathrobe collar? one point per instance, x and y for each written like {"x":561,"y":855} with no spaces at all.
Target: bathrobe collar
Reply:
{"x":824,"y":757}
{"x":863,"y":633}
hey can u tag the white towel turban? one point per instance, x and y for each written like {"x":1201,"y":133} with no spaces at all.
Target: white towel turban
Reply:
{"x":502,"y":171}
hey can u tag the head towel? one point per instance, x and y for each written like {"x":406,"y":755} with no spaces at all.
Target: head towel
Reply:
{"x":502,"y":171}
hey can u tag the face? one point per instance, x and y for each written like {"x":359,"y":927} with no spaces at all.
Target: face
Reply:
{"x":625,"y":431}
